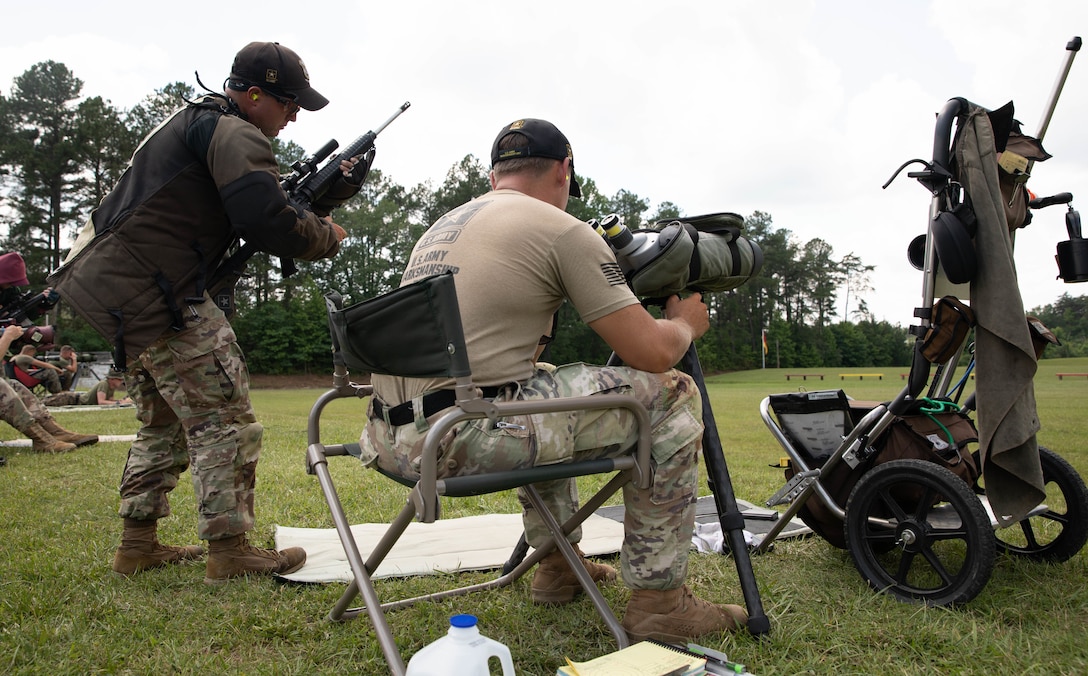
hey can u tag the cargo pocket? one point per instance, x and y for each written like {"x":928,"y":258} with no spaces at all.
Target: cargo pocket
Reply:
{"x":217,"y":477}
{"x":479,"y":446}
{"x":675,"y":457}
{"x":208,"y":364}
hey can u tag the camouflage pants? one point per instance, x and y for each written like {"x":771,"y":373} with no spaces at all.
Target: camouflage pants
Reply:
{"x":191,"y":391}
{"x":64,"y":399}
{"x":19,"y":406}
{"x":658,"y":521}
{"x":47,"y":377}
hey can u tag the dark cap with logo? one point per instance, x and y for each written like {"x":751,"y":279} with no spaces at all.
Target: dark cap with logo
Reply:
{"x":277,"y":69}
{"x":541,"y":139}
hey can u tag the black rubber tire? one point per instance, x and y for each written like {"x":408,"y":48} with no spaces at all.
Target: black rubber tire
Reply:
{"x":1059,"y":533}
{"x":940,"y":557}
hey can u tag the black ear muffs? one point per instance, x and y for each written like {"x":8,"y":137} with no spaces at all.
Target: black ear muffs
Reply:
{"x":952,"y":233}
{"x":916,"y":252}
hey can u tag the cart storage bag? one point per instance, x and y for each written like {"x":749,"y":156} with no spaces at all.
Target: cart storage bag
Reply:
{"x":941,"y":438}
{"x":950,"y":322}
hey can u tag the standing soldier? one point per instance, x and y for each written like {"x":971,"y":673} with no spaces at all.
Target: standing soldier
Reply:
{"x":138,"y":273}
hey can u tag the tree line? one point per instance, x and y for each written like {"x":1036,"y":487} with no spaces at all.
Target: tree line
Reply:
{"x":60,"y":152}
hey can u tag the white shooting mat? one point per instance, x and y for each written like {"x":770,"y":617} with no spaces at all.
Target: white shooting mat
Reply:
{"x":102,"y":438}
{"x":485,"y":542}
{"x":447,"y":545}
{"x":87,"y":408}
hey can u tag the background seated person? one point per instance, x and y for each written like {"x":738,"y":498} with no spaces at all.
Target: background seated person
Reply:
{"x":99,"y":395}
{"x":46,"y":373}
{"x":25,"y":412}
{"x":68,"y":362}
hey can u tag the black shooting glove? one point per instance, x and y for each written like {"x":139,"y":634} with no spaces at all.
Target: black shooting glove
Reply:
{"x":345,"y":188}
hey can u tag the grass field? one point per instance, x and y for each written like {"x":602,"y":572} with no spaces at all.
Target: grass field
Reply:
{"x":62,"y":611}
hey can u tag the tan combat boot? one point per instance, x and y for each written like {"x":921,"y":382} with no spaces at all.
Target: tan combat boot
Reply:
{"x":554,"y":583}
{"x":44,"y":442}
{"x":677,"y":615}
{"x":140,"y":549}
{"x":234,"y":557}
{"x":58,"y":432}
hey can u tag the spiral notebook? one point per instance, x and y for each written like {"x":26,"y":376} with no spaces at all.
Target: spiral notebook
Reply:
{"x":641,"y":659}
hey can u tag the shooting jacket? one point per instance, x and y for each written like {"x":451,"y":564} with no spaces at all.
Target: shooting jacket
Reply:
{"x":199,"y":181}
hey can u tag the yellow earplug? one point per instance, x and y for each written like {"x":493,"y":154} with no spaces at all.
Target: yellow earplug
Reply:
{"x":254,"y":97}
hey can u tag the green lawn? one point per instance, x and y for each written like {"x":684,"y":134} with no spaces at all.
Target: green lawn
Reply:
{"x":63,"y":612}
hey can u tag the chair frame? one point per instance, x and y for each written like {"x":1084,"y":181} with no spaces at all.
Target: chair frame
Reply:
{"x":423,"y":500}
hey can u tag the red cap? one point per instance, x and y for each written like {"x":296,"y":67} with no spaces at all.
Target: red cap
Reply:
{"x":13,"y":270}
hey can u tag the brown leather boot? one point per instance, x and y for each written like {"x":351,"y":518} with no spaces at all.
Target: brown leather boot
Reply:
{"x":58,"y":432}
{"x":677,"y":615}
{"x":43,"y":441}
{"x":554,"y":583}
{"x":234,"y":557}
{"x":140,"y":549}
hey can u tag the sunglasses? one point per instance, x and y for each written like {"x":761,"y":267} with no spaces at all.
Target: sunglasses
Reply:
{"x":289,"y":106}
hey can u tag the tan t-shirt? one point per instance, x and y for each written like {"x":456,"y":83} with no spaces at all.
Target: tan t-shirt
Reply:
{"x":515,"y":259}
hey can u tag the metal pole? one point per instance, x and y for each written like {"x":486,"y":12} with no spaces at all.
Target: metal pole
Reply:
{"x":1071,"y":49}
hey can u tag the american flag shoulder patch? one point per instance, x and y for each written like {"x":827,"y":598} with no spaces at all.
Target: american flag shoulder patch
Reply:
{"x":613,"y":274}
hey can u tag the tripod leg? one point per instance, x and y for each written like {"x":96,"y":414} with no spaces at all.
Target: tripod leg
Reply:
{"x":728,"y":512}
{"x":516,"y":556}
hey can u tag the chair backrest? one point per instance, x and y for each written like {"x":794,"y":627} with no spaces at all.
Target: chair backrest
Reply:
{"x":13,"y":371}
{"x":414,"y":331}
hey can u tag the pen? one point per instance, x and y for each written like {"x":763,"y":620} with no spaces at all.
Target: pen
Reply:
{"x":717,"y":658}
{"x":570,"y":665}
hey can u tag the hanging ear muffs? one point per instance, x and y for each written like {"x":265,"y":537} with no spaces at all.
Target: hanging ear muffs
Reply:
{"x":916,"y":252}
{"x":952,"y":233}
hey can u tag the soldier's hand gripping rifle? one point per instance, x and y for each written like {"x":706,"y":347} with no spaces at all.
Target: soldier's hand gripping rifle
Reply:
{"x":305,"y":186}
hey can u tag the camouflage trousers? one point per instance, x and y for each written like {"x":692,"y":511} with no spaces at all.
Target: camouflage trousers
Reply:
{"x":19,"y":406}
{"x":191,"y":391}
{"x":47,"y":377}
{"x":658,"y":521}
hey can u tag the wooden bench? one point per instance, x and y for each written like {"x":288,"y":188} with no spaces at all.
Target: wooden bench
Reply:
{"x":861,"y":376}
{"x":1071,"y":375}
{"x":903,"y":376}
{"x":804,"y":376}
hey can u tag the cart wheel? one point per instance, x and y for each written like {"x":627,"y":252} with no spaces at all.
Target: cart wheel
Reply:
{"x":1057,"y":534}
{"x":918,"y":532}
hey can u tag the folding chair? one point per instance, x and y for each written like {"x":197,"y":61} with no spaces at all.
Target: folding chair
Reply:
{"x":13,"y":372}
{"x":415,"y":331}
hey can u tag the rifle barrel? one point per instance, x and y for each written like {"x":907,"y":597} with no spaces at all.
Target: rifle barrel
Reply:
{"x":392,"y":117}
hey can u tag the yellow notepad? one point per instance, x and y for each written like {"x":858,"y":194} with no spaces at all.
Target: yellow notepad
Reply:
{"x":640,"y":659}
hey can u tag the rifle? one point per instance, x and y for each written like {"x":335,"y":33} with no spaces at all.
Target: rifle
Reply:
{"x":304,"y":185}
{"x":29,"y":306}
{"x":23,"y":311}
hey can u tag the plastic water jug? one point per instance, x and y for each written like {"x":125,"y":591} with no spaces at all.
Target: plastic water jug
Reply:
{"x":463,"y":651}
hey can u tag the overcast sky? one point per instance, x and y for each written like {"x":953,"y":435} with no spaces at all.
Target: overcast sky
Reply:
{"x":797,"y":108}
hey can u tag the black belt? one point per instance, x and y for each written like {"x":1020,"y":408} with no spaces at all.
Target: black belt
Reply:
{"x":402,"y":414}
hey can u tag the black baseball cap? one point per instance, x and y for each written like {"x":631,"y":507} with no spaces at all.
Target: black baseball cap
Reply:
{"x":273,"y":67}
{"x":544,"y":140}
